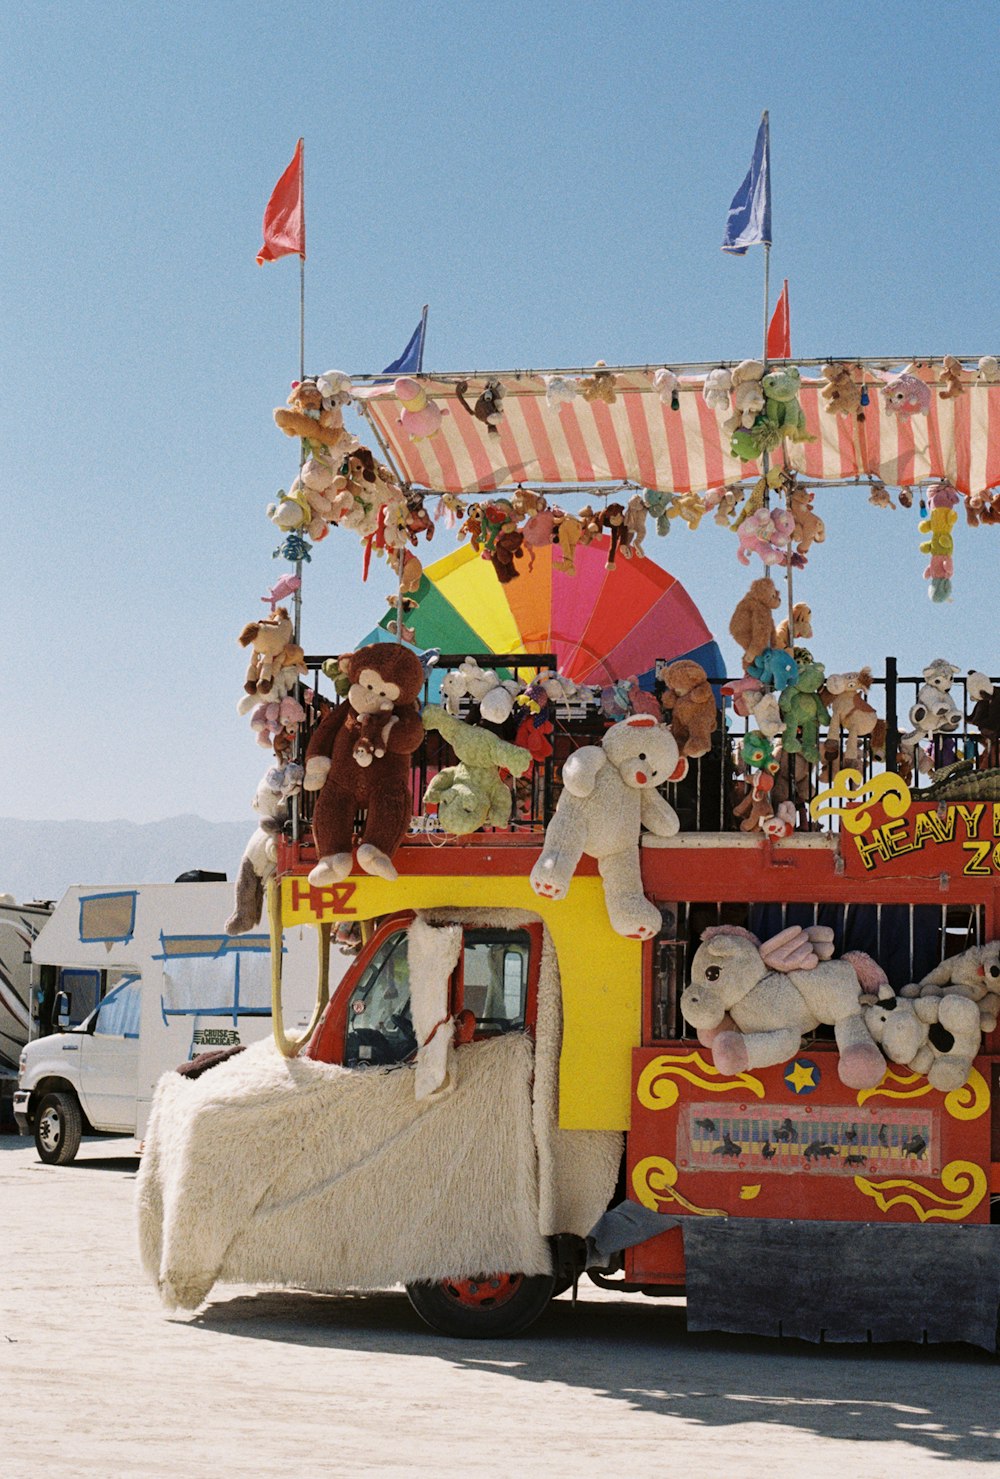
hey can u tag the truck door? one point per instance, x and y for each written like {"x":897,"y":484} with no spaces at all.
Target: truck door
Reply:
{"x":109,"y":1059}
{"x":368,"y":1021}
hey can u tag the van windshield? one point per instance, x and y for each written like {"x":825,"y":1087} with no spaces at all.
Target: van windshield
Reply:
{"x":379,"y":1026}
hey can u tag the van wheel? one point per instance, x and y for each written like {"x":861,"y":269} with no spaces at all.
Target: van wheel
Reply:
{"x":58,"y":1128}
{"x":490,"y":1305}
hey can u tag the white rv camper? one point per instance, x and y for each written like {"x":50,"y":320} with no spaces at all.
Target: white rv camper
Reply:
{"x":147,"y":978}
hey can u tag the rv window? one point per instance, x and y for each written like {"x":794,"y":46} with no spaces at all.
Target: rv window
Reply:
{"x":118,"y":1015}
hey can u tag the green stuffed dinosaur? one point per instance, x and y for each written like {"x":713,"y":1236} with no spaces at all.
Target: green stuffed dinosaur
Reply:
{"x":804,"y":711}
{"x":471,"y":794}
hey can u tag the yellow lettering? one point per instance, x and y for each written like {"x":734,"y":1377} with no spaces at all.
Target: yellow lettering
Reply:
{"x":996,"y":856}
{"x":970,"y":816}
{"x":896,"y":840}
{"x":932,"y":827}
{"x":975,"y":867}
{"x":867,"y":850}
{"x":996,"y":819}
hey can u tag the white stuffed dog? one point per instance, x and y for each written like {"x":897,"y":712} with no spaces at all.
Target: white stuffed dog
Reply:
{"x":936,"y":1036}
{"x":975,"y":974}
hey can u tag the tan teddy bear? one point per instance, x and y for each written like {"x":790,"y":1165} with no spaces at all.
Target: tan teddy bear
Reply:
{"x":841,"y":393}
{"x":752,"y":624}
{"x":809,"y":527}
{"x":850,"y":711}
{"x":307,"y":415}
{"x":801,"y":628}
{"x":690,"y":703}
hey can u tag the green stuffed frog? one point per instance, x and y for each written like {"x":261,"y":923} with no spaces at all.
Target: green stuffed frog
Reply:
{"x":471,"y":794}
{"x":804,"y":711}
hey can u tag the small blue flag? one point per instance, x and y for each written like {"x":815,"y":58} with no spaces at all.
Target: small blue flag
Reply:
{"x":749,"y":220}
{"x":411,"y":361}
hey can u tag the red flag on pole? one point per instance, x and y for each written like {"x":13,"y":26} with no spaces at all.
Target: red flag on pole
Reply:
{"x":284,"y":216}
{"x":779,"y":334}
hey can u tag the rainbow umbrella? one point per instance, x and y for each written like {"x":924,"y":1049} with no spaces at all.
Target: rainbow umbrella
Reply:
{"x":602,"y":625}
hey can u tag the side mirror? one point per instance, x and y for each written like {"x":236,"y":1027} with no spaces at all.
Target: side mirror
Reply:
{"x":61,"y":1008}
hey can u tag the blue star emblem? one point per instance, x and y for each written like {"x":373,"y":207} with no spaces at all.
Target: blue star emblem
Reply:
{"x":802,"y":1076}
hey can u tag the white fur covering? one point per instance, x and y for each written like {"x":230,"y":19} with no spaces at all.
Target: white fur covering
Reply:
{"x":284,"y":1171}
{"x":269,"y":1170}
{"x":432,"y":954}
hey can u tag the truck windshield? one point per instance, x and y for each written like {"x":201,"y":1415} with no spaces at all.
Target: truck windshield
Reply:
{"x":379,"y":1028}
{"x":495,"y":978}
{"x":118,"y":1015}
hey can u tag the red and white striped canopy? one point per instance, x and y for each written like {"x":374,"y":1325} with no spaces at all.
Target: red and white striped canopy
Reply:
{"x":640,"y":440}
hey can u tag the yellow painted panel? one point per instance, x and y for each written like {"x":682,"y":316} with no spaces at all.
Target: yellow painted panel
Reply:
{"x":601,"y":973}
{"x":470,"y":583}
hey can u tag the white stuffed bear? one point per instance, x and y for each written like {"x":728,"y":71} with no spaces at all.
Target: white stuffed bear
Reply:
{"x":260,"y":855}
{"x":751,"y":1003}
{"x":715,"y":391}
{"x":483,"y":686}
{"x":748,"y":395}
{"x":936,"y":1036}
{"x":975,"y":975}
{"x":609,"y":794}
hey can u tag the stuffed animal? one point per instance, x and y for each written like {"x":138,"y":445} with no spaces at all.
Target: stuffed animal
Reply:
{"x":809,"y":527}
{"x":716,"y":389}
{"x":744,"y":693}
{"x":804,"y":711}
{"x":271,"y":649}
{"x":984,"y":697}
{"x":666,"y":385}
{"x":950,"y":375}
{"x":975,"y":975}
{"x":933,"y":713}
{"x":418,"y":520}
{"x":385,"y":683}
{"x":850,"y":711}
{"x":752,"y":625}
{"x":495,"y":516}
{"x":748,"y":395}
{"x":471,"y":794}
{"x":936,"y":1036}
{"x":635,"y":523}
{"x":689,"y":702}
{"x":488,"y":407}
{"x":568,"y":532}
{"x":801,"y":627}
{"x":507,"y":547}
{"x":613,"y":521}
{"x":775,"y":668}
{"x":767,"y":716}
{"x":600,"y":386}
{"x":609,"y":793}
{"x":590,"y":525}
{"x":906,"y":395}
{"x":420,"y":418}
{"x":285,"y":585}
{"x":260,"y":856}
{"x":538,"y":531}
{"x":752,"y":1003}
{"x":989,"y":369}
{"x":494,"y":697}
{"x":782,"y":824}
{"x":938,"y":522}
{"x":535,"y":729}
{"x":450,"y":509}
{"x":658,"y":506}
{"x":317,"y":423}
{"x":766,"y":533}
{"x":842,"y":394}
{"x":725,"y":502}
{"x":559,"y":391}
{"x":781,"y":404}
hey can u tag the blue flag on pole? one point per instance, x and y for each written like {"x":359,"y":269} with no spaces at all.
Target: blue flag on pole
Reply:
{"x":749,"y":220}
{"x":411,"y":361}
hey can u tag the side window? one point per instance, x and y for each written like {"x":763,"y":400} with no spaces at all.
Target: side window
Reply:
{"x":379,"y":1027}
{"x":119,"y":1011}
{"x":495,"y":967}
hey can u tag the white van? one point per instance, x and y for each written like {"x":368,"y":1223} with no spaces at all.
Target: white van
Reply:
{"x":162,"y":982}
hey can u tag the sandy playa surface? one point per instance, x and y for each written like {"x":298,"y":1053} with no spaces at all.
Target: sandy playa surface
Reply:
{"x":95,"y":1379}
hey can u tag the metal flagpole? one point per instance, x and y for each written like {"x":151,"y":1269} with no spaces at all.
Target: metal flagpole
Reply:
{"x":297,"y":595}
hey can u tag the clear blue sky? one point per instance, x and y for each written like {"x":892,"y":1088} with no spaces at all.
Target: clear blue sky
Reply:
{"x":553,"y":179}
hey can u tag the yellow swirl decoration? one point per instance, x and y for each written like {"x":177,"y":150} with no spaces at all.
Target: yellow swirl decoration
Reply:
{"x":656,"y":1088}
{"x":963,"y":1179}
{"x":857,"y":795}
{"x":654,"y":1181}
{"x":749,"y":1193}
{"x":971,"y":1100}
{"x":890,"y":1076}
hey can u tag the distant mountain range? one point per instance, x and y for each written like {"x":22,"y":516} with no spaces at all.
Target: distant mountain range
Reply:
{"x":39,"y":860}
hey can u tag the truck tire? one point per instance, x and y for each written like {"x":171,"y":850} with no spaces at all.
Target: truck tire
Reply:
{"x":58,"y":1127}
{"x":489,"y":1306}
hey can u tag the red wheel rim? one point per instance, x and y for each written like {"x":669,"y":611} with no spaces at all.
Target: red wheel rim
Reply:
{"x":485,"y":1291}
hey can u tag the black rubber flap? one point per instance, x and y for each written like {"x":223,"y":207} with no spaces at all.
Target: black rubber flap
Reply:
{"x":843,"y":1281}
